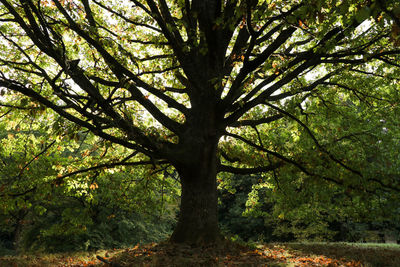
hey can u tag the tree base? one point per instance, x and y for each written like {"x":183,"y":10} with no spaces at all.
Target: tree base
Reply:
{"x":196,"y":237}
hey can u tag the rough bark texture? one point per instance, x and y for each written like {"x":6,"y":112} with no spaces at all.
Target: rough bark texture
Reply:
{"x":198,"y":218}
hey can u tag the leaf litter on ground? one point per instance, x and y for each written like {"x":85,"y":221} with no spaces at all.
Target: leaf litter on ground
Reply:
{"x":225,"y":254}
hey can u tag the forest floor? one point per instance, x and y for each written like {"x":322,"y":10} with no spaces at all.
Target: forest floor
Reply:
{"x":230,"y":254}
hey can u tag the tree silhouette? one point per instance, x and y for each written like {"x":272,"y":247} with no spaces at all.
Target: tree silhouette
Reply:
{"x":185,"y":82}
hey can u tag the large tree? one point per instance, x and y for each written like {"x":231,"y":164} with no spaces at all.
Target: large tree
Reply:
{"x":183,"y":82}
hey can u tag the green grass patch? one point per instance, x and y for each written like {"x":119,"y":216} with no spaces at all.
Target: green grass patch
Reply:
{"x":369,"y":254}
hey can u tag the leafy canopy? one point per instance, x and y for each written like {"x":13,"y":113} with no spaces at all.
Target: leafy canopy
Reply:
{"x":244,"y":81}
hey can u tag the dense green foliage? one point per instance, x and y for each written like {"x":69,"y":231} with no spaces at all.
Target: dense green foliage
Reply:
{"x":105,"y":208}
{"x":295,"y":206}
{"x":364,"y":130}
{"x":117,"y":207}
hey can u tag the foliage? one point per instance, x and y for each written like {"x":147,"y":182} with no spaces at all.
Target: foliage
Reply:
{"x":202,"y":87}
{"x":360,"y":130}
{"x":233,"y":195}
{"x":101,"y":209}
{"x":363,"y":134}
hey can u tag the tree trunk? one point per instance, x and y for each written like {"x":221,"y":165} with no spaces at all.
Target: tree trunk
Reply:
{"x":198,"y":218}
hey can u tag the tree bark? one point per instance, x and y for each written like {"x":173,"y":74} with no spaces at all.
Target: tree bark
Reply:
{"x":198,"y":218}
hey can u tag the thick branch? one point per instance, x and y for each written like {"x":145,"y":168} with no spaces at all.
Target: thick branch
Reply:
{"x":285,"y":159}
{"x":230,"y":169}
{"x":262,"y":97}
{"x":253,"y":123}
{"x":109,"y":166}
{"x":308,"y":88}
{"x":250,"y":66}
{"x":112,"y":11}
{"x":59,"y":110}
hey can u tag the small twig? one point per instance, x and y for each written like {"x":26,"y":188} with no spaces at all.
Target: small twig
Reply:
{"x":36,"y":157}
{"x":113,"y":264}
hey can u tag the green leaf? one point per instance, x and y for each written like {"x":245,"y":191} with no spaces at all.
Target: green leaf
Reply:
{"x":363,"y":14}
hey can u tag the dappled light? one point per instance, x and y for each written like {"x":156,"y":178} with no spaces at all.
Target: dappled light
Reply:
{"x":231,"y":129}
{"x":228,"y":254}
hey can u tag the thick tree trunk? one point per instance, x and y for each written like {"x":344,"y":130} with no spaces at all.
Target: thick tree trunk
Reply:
{"x":198,"y":218}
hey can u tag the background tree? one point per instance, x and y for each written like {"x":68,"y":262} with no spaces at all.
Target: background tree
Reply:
{"x":189,"y":83}
{"x":113,"y":205}
{"x":361,"y":129}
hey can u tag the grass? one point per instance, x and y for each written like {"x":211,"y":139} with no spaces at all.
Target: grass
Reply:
{"x":227,"y":254}
{"x":51,"y":260}
{"x":369,"y":254}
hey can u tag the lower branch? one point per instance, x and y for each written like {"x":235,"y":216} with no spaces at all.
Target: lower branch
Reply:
{"x":109,"y":166}
{"x":230,"y":169}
